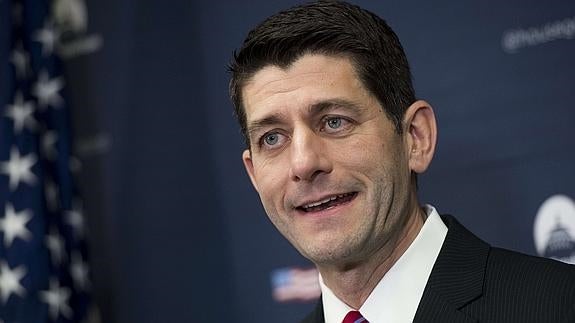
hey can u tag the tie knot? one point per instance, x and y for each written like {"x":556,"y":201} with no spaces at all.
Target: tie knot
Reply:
{"x":354,"y":317}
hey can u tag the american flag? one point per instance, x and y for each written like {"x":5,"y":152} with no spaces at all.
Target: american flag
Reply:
{"x":295,"y":284}
{"x":43,"y":270}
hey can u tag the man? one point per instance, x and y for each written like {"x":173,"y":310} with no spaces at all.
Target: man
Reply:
{"x":336,"y":139}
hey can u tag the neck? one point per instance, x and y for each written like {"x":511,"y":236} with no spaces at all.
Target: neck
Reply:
{"x":353,"y":284}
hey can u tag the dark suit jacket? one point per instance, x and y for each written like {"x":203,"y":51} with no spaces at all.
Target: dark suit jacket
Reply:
{"x":474,"y":282}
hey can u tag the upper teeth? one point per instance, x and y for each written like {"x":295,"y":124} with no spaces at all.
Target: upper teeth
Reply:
{"x":324,"y":201}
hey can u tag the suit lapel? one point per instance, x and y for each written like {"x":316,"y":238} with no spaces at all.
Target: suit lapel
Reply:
{"x":455,"y":281}
{"x":456,"y":278}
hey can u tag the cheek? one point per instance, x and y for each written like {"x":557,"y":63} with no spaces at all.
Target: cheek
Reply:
{"x":364,"y":153}
{"x":270,"y":180}
{"x":375,"y":161}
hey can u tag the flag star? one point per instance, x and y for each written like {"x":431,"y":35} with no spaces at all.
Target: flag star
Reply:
{"x":48,"y":37}
{"x":19,"y":168}
{"x":79,"y":271}
{"x":14,"y":225}
{"x":48,"y":144}
{"x":75,"y":164}
{"x":57,"y":299}
{"x":21,"y":113}
{"x":55,"y":244}
{"x":10,"y":281}
{"x":75,"y":219}
{"x":20,"y":59}
{"x":47,"y":90}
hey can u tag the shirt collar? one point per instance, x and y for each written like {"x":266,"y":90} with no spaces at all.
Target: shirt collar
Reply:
{"x":396,"y":297}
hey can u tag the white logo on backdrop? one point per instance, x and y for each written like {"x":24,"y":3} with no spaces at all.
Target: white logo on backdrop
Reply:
{"x":515,"y":39}
{"x":71,"y":15}
{"x":554,"y":229}
{"x":71,"y":20}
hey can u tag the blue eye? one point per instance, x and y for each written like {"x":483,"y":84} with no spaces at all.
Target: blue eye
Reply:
{"x":271,"y":139}
{"x":334,"y":123}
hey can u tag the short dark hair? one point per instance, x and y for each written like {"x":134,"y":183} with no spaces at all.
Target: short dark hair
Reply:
{"x":331,"y":28}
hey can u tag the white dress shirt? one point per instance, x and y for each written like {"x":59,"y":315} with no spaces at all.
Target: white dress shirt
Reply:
{"x":396,"y":297}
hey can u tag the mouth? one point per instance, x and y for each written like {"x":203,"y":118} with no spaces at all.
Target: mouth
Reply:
{"x":327,"y":202}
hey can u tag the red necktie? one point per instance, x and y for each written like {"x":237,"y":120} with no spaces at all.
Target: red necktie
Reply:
{"x":354,"y":317}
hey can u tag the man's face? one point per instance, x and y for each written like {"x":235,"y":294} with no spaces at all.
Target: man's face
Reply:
{"x":331,"y":171}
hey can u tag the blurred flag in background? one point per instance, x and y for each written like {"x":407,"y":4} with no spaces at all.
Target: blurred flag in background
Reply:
{"x":295,"y":285}
{"x":43,"y":270}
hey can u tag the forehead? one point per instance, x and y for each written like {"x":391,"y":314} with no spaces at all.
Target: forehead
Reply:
{"x":309,"y":79}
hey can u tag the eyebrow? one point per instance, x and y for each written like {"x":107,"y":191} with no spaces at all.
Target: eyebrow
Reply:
{"x":326,"y":105}
{"x":319,"y":107}
{"x":256,"y":125}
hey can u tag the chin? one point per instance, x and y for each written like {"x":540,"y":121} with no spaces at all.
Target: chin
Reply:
{"x":328,"y":252}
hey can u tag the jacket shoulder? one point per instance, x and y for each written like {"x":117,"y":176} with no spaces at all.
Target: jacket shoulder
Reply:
{"x":532,"y":288}
{"x":509,"y":286}
{"x":518,"y":272}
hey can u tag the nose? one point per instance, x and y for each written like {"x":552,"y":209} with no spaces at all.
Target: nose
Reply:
{"x":309,"y":157}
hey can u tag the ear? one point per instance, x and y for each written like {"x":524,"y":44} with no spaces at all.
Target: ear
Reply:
{"x":421,"y":134}
{"x":249,"y":165}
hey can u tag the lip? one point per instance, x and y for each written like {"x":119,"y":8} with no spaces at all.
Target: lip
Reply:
{"x":332,"y":210}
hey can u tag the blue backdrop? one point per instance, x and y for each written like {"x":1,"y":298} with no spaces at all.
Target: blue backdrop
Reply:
{"x":177,"y":232}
